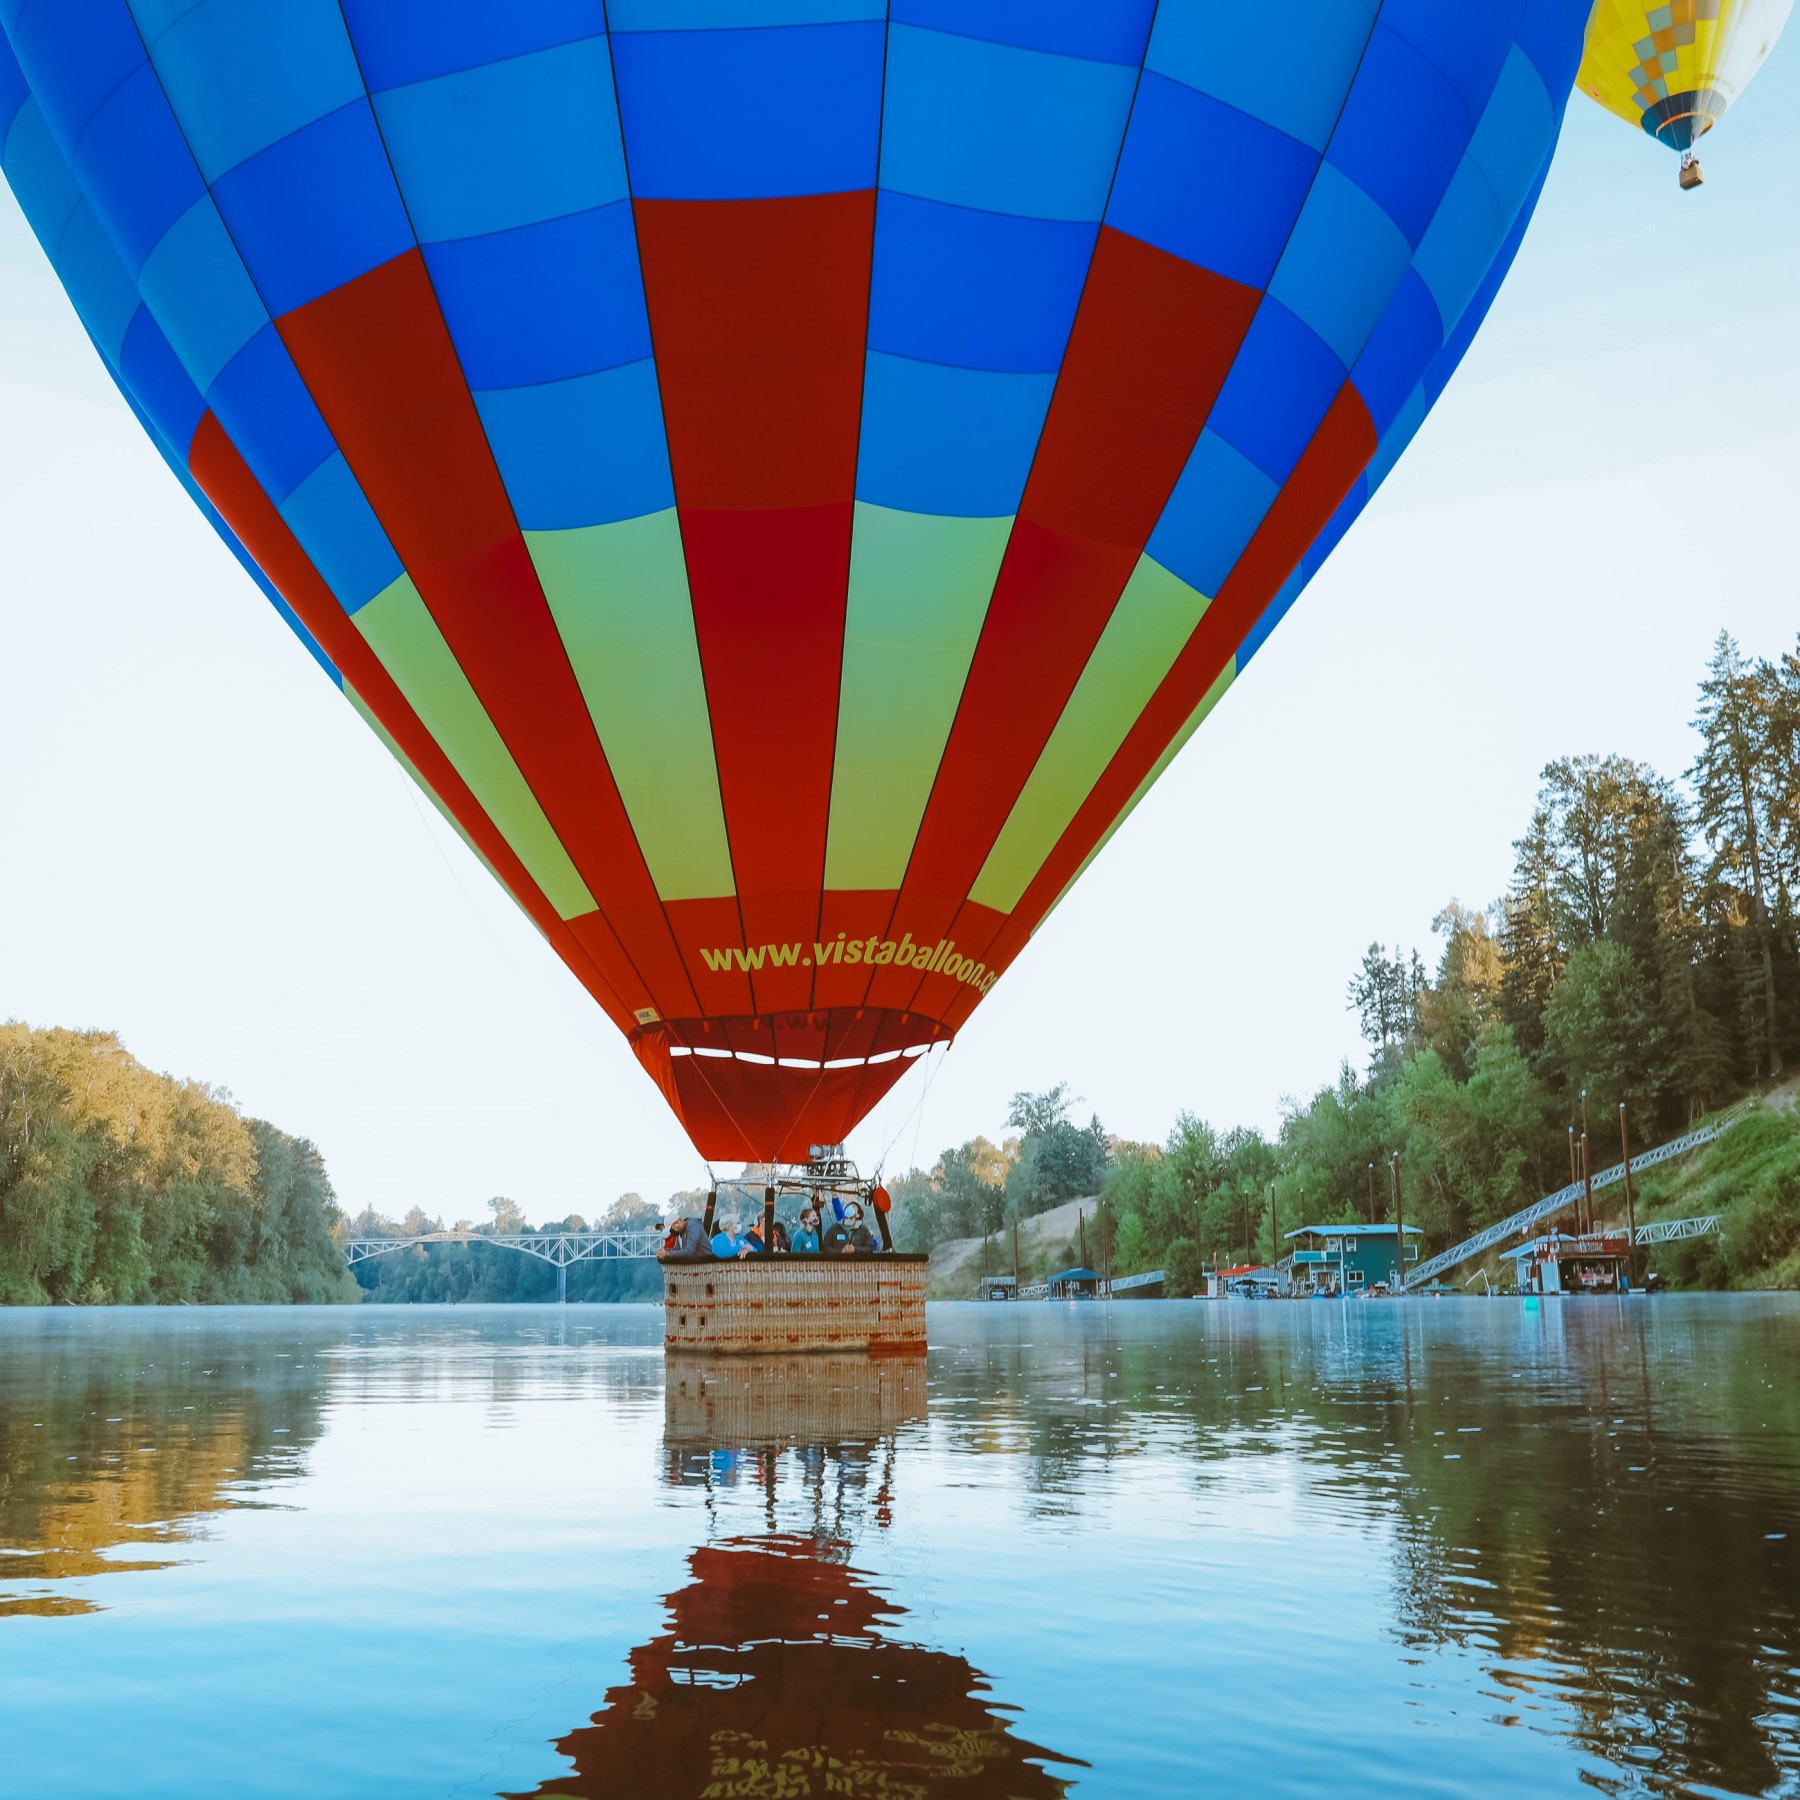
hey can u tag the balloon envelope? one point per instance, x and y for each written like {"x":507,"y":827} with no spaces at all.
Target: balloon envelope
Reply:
{"x":1674,"y":69}
{"x":784,"y":475}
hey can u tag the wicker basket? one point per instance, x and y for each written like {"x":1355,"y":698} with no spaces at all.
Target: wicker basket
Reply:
{"x":787,"y":1305}
{"x":756,"y":1402}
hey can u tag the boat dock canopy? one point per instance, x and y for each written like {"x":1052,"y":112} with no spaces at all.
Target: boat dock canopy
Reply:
{"x":1348,"y":1231}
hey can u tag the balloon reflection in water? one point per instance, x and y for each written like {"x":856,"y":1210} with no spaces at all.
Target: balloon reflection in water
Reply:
{"x":727,"y":1423}
{"x":781,"y":1672}
{"x":778,"y":1676}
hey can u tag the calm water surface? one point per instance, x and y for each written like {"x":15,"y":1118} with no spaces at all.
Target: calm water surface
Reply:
{"x":1457,"y":1548}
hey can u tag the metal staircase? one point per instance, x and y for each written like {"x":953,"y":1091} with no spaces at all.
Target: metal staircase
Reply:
{"x":1541,"y":1210}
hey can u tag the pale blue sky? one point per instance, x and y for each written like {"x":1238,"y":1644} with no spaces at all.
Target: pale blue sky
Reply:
{"x":207,"y":851}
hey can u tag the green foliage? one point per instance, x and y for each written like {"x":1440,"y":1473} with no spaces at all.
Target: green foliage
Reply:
{"x":1743,"y":782}
{"x":1057,"y":1160}
{"x":1384,"y":993}
{"x":1602,"y":1031}
{"x":1184,"y":1269}
{"x":1750,"y":1176}
{"x":119,"y":1186}
{"x":961,"y":1195}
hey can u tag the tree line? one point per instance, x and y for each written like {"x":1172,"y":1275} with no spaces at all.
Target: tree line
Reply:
{"x":119,"y":1186}
{"x":1645,"y":954}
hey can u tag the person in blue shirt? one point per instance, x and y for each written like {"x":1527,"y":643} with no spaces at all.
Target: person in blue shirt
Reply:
{"x":805,"y":1240}
{"x":726,"y":1241}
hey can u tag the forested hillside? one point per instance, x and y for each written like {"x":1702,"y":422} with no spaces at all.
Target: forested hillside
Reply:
{"x":1647,"y":951}
{"x":119,"y":1185}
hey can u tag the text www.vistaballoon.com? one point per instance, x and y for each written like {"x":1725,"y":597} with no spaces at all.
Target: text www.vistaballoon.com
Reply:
{"x":940,"y":958}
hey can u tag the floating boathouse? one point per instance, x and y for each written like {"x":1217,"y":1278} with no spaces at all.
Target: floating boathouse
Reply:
{"x":1596,"y":1263}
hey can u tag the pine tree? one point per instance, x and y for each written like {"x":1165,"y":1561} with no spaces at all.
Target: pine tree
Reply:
{"x":1532,"y":948}
{"x":1733,"y":779}
{"x":1780,"y":683}
{"x":1657,"y":917}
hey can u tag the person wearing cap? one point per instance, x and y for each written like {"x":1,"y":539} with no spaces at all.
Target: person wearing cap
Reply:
{"x":850,"y":1236}
{"x":685,"y":1238}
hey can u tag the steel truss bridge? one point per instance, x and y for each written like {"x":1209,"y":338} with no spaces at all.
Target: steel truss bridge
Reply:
{"x":558,"y":1248}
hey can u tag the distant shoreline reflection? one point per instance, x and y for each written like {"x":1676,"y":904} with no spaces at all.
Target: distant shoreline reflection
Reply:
{"x":778,"y":1677}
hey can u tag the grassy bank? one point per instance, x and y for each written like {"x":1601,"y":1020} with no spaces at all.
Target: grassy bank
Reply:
{"x":1751,"y":1178}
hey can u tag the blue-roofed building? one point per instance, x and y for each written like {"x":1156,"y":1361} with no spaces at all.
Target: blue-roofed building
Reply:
{"x":1347,"y":1259}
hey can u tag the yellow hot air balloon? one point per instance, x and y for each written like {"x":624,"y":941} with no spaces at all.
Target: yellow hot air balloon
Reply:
{"x":1675,"y":69}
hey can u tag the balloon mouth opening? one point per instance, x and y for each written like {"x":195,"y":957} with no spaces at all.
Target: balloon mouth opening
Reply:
{"x":805,"y":1062}
{"x":1682,"y":120}
{"x":831,"y":1038}
{"x":771,"y":1087}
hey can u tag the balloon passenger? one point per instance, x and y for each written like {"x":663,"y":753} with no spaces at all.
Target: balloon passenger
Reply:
{"x":805,"y":1240}
{"x":850,"y":1236}
{"x":685,"y":1238}
{"x":752,"y":1243}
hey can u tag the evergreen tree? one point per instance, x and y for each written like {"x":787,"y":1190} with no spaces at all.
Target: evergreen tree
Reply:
{"x":1780,"y":684}
{"x":1532,"y":949}
{"x":1734,"y":778}
{"x":1385,"y":993}
{"x":1454,"y":1009}
{"x":1602,"y":1033}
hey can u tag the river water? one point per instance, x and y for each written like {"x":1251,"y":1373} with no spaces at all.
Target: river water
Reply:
{"x":1464,"y":1547}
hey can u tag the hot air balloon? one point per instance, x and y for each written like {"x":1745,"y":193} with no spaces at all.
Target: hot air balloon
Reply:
{"x":784,"y":476}
{"x":1674,"y":69}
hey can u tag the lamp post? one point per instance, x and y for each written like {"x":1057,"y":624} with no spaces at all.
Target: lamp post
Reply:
{"x":1290,"y":1283}
{"x":1399,"y":1229}
{"x":1587,"y":1180}
{"x":1630,"y":1209}
{"x":1587,"y":1186}
{"x":1371,"y":1193}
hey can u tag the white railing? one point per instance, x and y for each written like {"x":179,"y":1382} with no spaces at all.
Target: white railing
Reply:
{"x":1040,"y":1290}
{"x":1126,"y":1284}
{"x":1670,"y":1231}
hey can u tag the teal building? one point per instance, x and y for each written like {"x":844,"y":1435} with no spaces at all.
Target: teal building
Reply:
{"x":1346,"y":1259}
